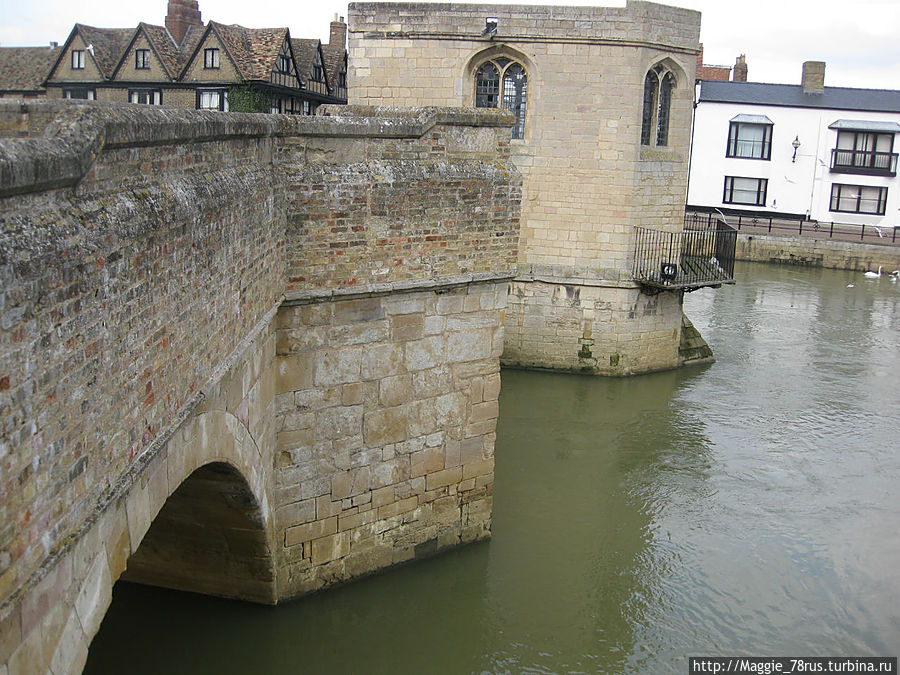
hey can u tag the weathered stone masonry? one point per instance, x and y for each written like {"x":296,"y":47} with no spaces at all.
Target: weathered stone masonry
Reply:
{"x":265,"y":347}
{"x":588,"y":177}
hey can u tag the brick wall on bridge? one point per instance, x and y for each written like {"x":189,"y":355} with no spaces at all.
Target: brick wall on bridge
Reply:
{"x":315,"y":303}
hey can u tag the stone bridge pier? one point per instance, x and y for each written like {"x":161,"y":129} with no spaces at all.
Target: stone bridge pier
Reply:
{"x":250,"y":356}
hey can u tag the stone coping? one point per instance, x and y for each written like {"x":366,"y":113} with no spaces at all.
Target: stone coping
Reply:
{"x":78,"y":132}
{"x":638,"y":23}
{"x":411,"y":286}
{"x":579,"y":276}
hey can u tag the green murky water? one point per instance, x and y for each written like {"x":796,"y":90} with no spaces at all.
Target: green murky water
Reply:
{"x":750,"y":507}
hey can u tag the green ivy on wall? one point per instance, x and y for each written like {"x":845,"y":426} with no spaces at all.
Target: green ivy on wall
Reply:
{"x":243,"y":98}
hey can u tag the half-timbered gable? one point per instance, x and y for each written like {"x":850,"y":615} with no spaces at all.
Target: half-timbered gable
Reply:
{"x":284,"y":73}
{"x":311,"y":65}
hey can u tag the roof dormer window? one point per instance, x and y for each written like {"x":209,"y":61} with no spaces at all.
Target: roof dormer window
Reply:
{"x":77,"y":59}
{"x":211,"y":58}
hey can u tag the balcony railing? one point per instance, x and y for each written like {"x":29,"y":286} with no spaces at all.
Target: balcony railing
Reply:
{"x":701,"y":255}
{"x":864,"y":161}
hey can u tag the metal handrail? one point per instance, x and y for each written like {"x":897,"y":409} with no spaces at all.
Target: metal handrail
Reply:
{"x":888,"y":235}
{"x":864,"y":161}
{"x":700,"y":255}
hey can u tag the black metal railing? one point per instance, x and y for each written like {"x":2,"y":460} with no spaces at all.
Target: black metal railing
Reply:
{"x":864,"y":161}
{"x":886,"y":235}
{"x":701,"y":255}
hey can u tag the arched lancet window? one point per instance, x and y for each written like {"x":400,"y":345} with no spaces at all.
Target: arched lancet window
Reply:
{"x":658,"y":87}
{"x":515,"y":89}
{"x":651,"y":87}
{"x":665,"y":102}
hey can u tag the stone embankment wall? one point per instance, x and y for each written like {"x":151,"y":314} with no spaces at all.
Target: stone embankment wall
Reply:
{"x":194,"y":343}
{"x":588,"y":180}
{"x":813,"y":252}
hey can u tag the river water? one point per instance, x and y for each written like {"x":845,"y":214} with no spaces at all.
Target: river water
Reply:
{"x":749,"y":507}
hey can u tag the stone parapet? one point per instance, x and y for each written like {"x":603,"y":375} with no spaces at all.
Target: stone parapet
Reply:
{"x":815,"y":252}
{"x":638,"y":23}
{"x":145,"y":254}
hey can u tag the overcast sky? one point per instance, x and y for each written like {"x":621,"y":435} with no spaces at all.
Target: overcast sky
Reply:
{"x":856,"y":38}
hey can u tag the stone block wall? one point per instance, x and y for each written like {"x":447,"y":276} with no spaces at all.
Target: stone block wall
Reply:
{"x":586,"y":328}
{"x":386,"y":421}
{"x":587,"y":179}
{"x":814,"y":252}
{"x":184,"y":290}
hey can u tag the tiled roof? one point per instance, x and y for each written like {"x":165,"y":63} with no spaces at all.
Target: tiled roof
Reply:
{"x":164,"y":46}
{"x":254,"y":50}
{"x":305,"y":54}
{"x":188,"y":46}
{"x":791,"y":95}
{"x":108,"y":44}
{"x":334,"y":63}
{"x":25,"y":68}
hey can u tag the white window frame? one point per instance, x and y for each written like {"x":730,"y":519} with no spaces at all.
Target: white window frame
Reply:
{"x":77,"y":59}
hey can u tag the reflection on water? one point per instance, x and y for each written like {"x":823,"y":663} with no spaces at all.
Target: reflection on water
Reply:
{"x":746,"y":507}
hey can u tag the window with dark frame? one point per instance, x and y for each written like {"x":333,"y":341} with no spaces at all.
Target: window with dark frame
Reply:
{"x":665,"y":104}
{"x":142,"y":59}
{"x":651,"y":90}
{"x":211,"y":57}
{"x":514,"y":80}
{"x":212,"y":99}
{"x":858,"y":199}
{"x":145,"y":96}
{"x":77,"y":59}
{"x":318,"y":72}
{"x":80,"y":93}
{"x":749,"y":191}
{"x":749,"y":141}
{"x":659,"y":86}
{"x":862,"y":150}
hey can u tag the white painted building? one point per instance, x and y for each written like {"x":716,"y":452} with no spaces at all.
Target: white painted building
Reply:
{"x":798,"y":151}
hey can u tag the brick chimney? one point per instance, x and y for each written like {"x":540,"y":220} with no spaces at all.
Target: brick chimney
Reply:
{"x":813,"y":77}
{"x":700,"y":58}
{"x":739,"y":74}
{"x":338,"y":37}
{"x":181,"y":15}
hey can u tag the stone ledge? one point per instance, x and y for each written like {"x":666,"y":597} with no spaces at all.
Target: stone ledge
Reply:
{"x":374,"y":290}
{"x":79,"y":132}
{"x":578,"y":276}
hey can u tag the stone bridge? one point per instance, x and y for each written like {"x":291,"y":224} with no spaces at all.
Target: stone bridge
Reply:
{"x":245,"y":355}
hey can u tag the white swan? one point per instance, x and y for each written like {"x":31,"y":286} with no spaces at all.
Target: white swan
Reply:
{"x":873,"y":275}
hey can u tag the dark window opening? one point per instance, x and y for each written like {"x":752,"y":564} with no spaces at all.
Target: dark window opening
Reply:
{"x":750,"y":191}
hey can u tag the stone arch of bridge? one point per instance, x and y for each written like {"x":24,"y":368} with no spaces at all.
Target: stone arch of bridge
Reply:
{"x":212,"y":534}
